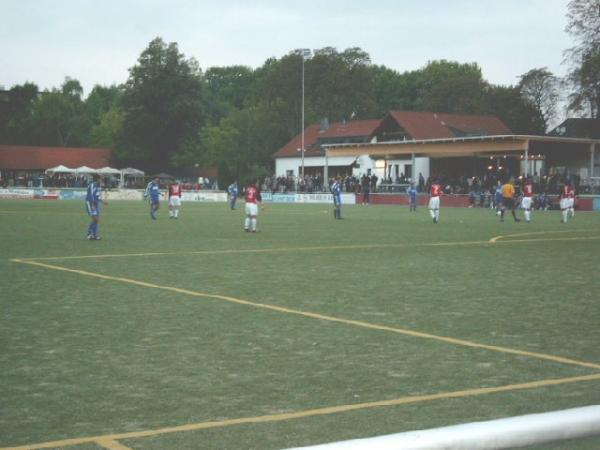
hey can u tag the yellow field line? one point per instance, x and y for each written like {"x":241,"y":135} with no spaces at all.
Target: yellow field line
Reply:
{"x":269,"y":418}
{"x":317,"y":316}
{"x":494,"y":240}
{"x":111,"y":444}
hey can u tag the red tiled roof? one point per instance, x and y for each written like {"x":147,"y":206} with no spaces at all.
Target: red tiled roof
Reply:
{"x":351,"y":129}
{"x":427,"y":125}
{"x":313,"y":133}
{"x":15,"y":157}
{"x":311,"y":138}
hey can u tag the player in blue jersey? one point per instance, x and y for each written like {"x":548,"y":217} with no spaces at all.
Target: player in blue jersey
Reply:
{"x":153,"y":194}
{"x":233,"y":192}
{"x":411,"y":191}
{"x":336,"y":191}
{"x":93,"y":200}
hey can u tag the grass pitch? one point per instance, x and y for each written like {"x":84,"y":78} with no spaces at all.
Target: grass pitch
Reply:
{"x":191,"y":334}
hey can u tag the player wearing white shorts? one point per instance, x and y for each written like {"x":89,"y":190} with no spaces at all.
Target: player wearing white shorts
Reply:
{"x":253,"y":200}
{"x":175,"y":191}
{"x":434,"y":202}
{"x":527,"y":200}
{"x":567,"y":202}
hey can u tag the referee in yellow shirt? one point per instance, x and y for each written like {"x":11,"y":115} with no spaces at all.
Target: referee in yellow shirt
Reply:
{"x":508,"y":200}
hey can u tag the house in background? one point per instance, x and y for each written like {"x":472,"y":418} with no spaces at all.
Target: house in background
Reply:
{"x":397,"y":126}
{"x":289,"y":161}
{"x":578,"y":128}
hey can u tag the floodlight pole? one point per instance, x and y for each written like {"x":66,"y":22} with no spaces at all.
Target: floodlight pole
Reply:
{"x":304,"y":53}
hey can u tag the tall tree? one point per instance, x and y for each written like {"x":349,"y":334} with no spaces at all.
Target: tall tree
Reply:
{"x":58,"y":117}
{"x":584,"y":77}
{"x":227,"y":88}
{"x":448,"y":86}
{"x":16,"y":109}
{"x":507,"y":103}
{"x":540,"y":88}
{"x":162,"y":106}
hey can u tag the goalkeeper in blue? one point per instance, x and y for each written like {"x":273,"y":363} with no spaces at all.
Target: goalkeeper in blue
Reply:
{"x":336,"y":191}
{"x":93,"y":200}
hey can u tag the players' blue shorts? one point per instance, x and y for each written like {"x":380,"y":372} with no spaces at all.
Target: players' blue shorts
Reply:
{"x":92,"y":212}
{"x":154,"y":200}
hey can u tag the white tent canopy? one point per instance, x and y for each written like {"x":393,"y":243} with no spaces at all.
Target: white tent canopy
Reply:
{"x":85,"y":169}
{"x":60,"y":169}
{"x":109,"y":171}
{"x":133,"y":172}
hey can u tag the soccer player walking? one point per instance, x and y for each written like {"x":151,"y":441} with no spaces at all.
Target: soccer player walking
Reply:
{"x":336,"y":191}
{"x":508,"y":200}
{"x":411,"y":191}
{"x":498,"y":198}
{"x":434,"y":201}
{"x":93,"y":199}
{"x":233,"y":192}
{"x":175,"y":191}
{"x":567,"y":202}
{"x":153,"y":193}
{"x":253,"y":200}
{"x":527,"y":200}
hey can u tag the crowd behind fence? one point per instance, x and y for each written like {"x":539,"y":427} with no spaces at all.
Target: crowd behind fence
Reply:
{"x":465,"y":185}
{"x":477,"y":187}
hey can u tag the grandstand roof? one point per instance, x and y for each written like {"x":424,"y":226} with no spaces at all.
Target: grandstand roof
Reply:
{"x":17,"y":157}
{"x":337,"y":130}
{"x":430,"y":125}
{"x":354,"y":128}
{"x":413,"y":125}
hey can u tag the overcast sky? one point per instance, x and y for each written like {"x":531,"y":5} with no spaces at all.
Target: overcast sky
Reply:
{"x":97,"y":41}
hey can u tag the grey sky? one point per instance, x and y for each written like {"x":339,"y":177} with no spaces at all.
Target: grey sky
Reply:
{"x":96,"y":42}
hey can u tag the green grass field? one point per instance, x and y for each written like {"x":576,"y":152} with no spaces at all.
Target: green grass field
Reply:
{"x":192,"y":334}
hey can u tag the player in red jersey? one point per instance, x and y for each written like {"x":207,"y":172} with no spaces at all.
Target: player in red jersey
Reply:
{"x":175,"y":191}
{"x":434,"y":201}
{"x":567,"y":202}
{"x":253,"y":201}
{"x":527,"y":200}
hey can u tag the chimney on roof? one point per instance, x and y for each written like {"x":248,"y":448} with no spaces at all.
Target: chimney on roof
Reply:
{"x":324,"y":125}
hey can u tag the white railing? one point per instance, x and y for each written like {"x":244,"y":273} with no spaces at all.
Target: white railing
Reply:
{"x":491,"y":435}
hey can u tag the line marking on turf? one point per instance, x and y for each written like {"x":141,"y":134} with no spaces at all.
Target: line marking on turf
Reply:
{"x":358,"y":323}
{"x":494,"y":240}
{"x":111,"y":444}
{"x":269,"y":418}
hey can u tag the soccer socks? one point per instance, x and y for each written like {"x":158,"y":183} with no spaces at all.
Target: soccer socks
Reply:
{"x":247,"y":224}
{"x":253,"y":223}
{"x":527,"y":215}
{"x":565,"y":214}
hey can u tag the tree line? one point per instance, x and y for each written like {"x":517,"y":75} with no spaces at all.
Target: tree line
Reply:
{"x":170,"y":114}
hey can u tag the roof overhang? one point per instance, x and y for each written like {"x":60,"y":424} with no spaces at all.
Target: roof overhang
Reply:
{"x":448,"y":148}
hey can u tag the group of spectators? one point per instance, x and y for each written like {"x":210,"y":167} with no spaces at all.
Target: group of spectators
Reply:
{"x":550,"y":185}
{"x":315,"y":183}
{"x":69,"y":180}
{"x":310,"y":183}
